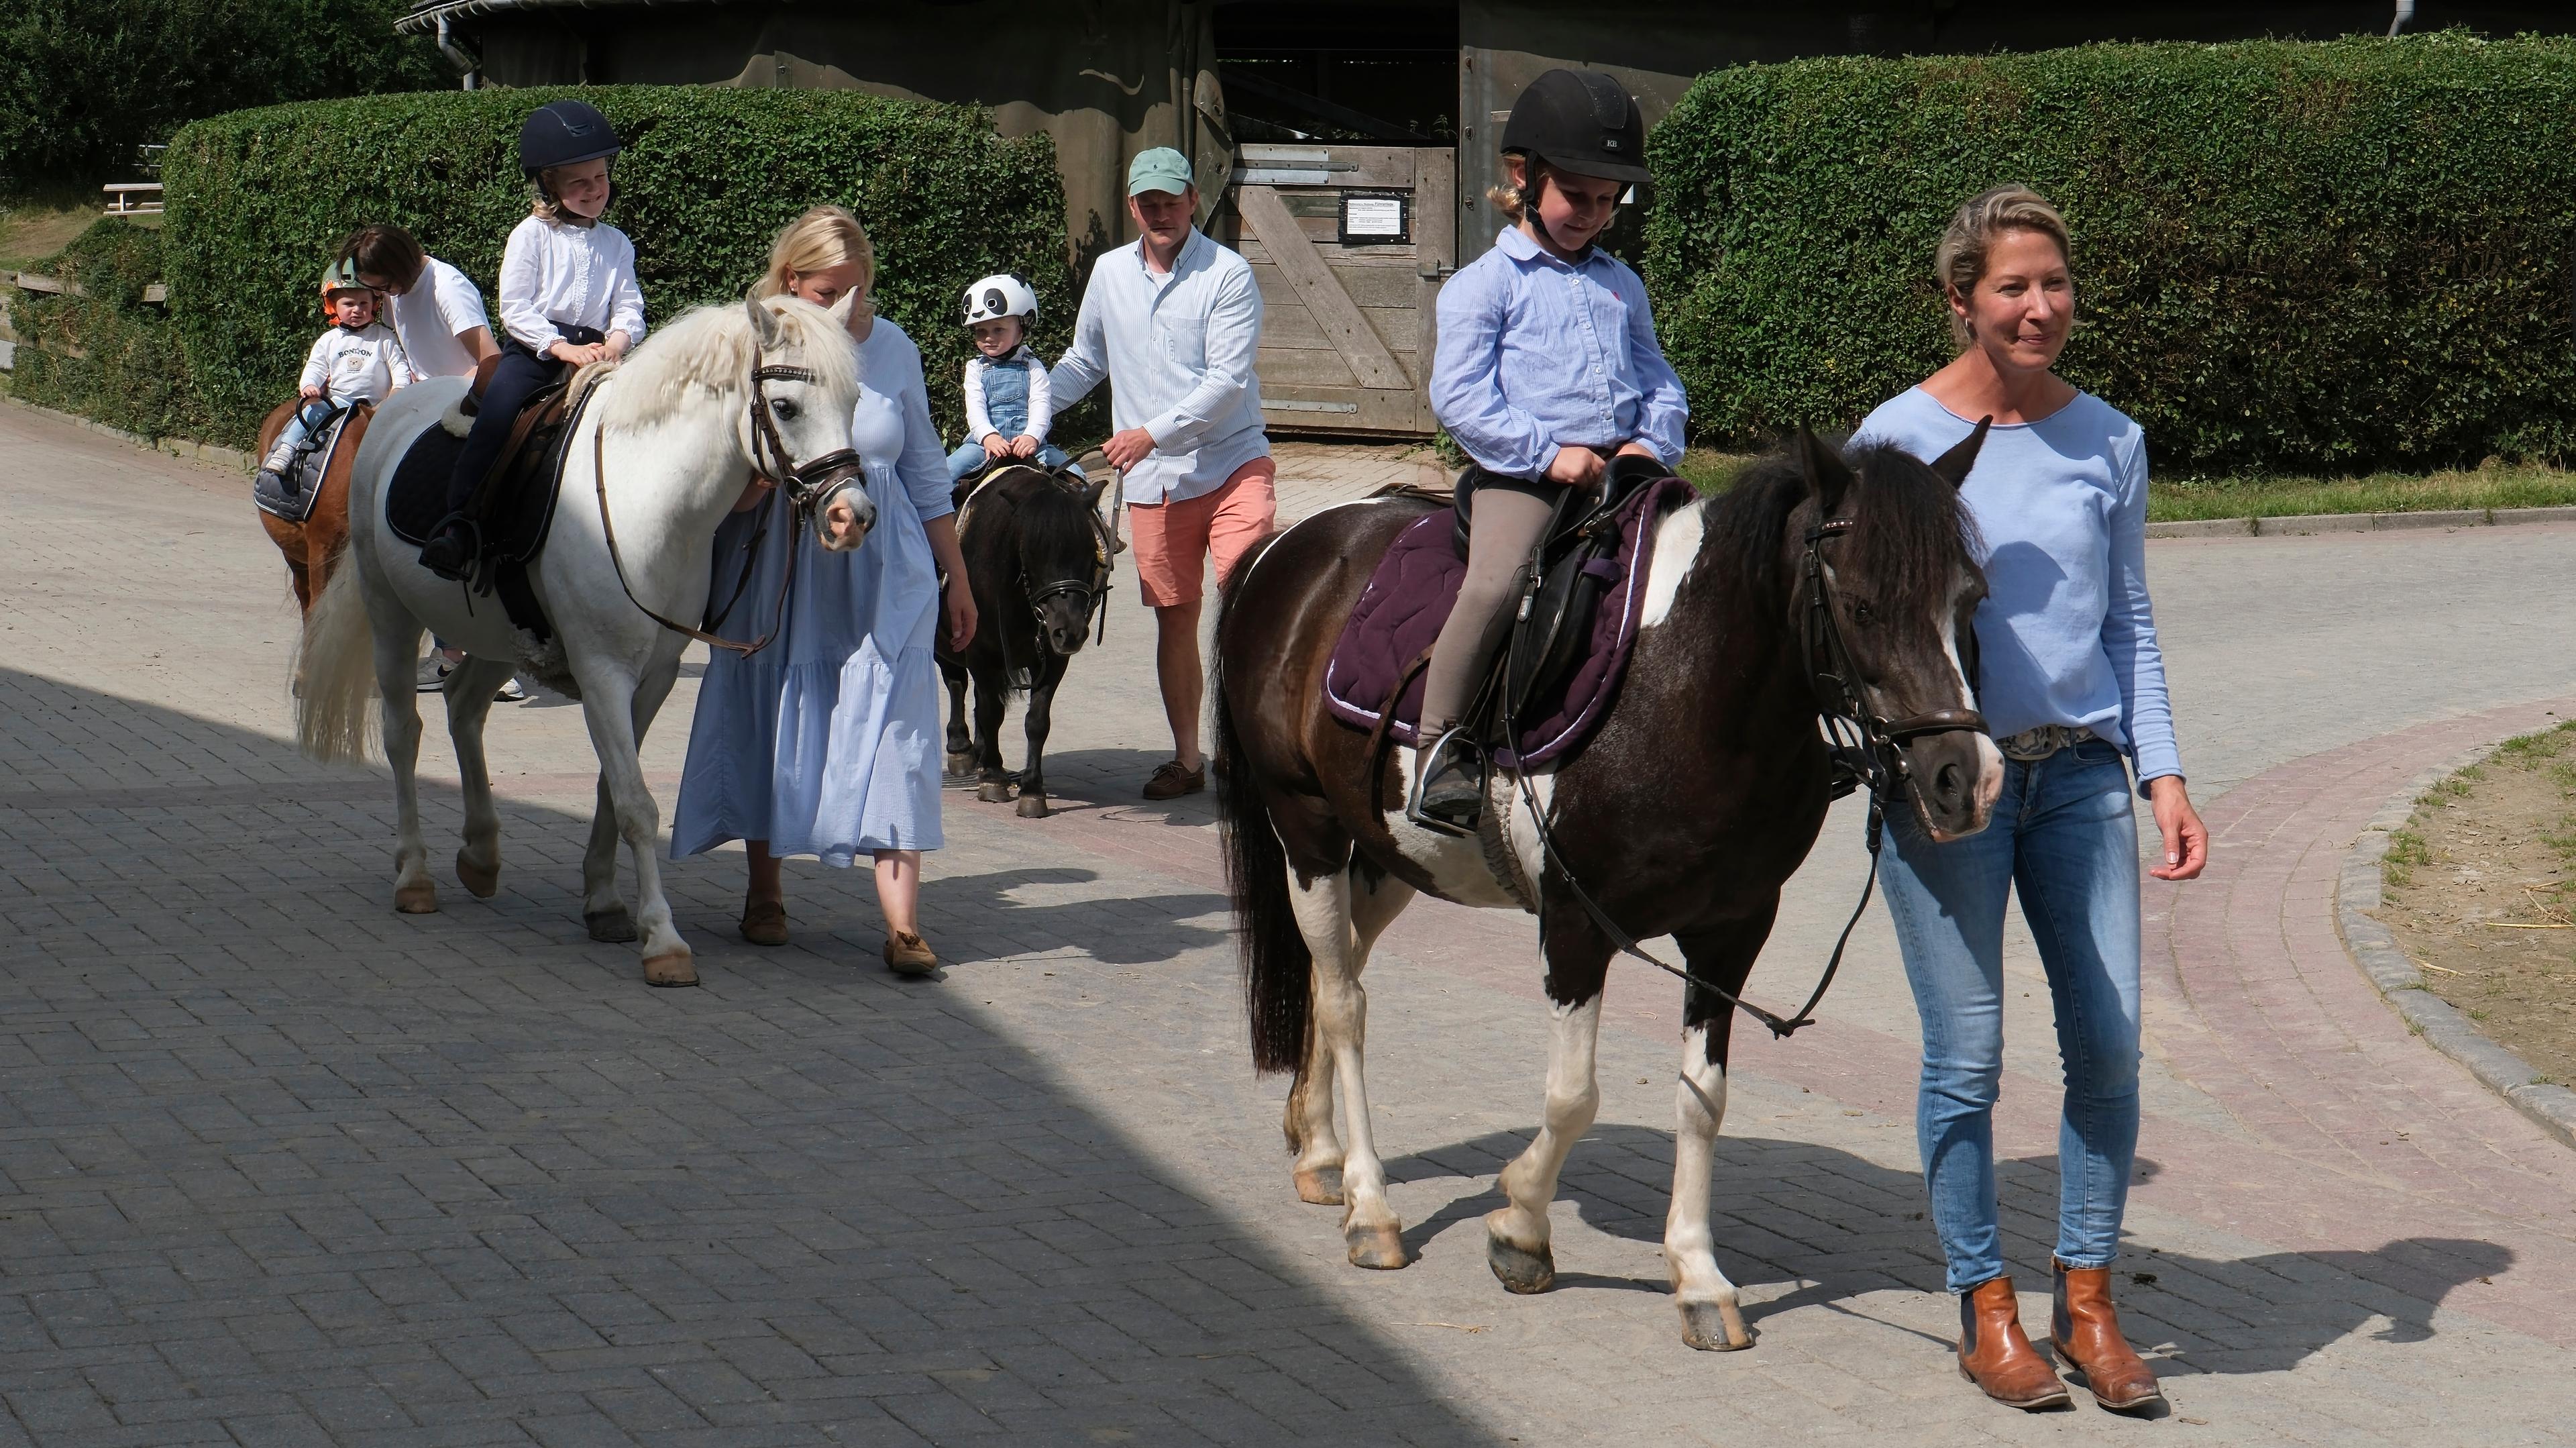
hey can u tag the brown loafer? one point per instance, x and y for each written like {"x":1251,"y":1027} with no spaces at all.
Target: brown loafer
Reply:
{"x":1996,"y":1356}
{"x":2086,"y":1331}
{"x":1170,"y":781}
{"x":909,"y":954}
{"x":764,"y":922}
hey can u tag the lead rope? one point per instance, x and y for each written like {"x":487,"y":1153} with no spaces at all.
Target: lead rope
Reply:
{"x":1837,"y":744}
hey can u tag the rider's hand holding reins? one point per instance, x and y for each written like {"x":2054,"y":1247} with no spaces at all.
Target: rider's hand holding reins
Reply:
{"x":1579,"y":468}
{"x":2186,"y":838}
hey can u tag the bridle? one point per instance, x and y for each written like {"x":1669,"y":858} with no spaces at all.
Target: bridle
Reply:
{"x":1094,"y":590}
{"x":1863,"y":745}
{"x":810,"y":488}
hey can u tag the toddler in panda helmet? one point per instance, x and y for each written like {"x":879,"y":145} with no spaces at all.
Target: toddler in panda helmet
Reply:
{"x":1007,"y":411}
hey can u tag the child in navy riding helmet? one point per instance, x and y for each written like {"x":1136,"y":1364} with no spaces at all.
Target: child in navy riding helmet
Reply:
{"x":1547,"y":369}
{"x":568,"y":298}
{"x":1007,"y":407}
{"x":358,"y":360}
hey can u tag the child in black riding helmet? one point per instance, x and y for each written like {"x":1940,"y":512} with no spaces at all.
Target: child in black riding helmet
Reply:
{"x":358,"y":360}
{"x":1547,"y":368}
{"x":568,"y":298}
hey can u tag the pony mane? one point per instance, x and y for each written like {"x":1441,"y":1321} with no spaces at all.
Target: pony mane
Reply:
{"x":1911,"y":523}
{"x":705,"y":353}
{"x":1055,"y":521}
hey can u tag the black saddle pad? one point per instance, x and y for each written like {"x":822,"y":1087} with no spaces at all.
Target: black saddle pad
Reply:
{"x":417,"y":502}
{"x":290,"y":498}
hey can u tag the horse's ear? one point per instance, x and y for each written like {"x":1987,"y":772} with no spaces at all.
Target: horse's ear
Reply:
{"x":1091,"y":491}
{"x":841,"y":308}
{"x":1827,"y":475}
{"x":1953,"y":465}
{"x":764,"y":327}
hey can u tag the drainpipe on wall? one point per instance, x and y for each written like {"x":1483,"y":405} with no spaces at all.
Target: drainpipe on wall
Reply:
{"x":2404,"y":17}
{"x":470,"y":65}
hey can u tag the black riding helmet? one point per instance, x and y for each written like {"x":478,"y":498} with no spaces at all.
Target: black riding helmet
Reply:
{"x":565,"y":133}
{"x":1580,"y":121}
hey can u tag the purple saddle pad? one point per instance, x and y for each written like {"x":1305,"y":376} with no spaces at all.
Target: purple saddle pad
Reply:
{"x":1408,"y":599}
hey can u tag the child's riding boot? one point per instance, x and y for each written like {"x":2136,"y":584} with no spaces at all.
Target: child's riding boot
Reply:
{"x":1448,"y":783}
{"x":450,"y":551}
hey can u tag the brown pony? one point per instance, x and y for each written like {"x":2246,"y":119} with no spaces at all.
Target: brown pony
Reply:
{"x":1683,"y":815}
{"x":310,"y":546}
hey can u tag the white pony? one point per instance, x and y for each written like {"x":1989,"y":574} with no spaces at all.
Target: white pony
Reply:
{"x":719,"y":395}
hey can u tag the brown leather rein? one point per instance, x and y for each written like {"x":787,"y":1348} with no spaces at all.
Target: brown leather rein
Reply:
{"x":811,"y":488}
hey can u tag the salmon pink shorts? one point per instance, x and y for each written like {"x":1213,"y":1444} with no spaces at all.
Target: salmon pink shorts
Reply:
{"x":1174,"y":541}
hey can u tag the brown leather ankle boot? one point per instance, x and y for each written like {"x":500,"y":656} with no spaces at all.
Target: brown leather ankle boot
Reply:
{"x":1996,"y":1356}
{"x":2086,"y":1331}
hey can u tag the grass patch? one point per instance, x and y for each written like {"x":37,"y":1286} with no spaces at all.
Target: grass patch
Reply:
{"x":2170,"y":501}
{"x":2485,"y":487}
{"x":33,"y":229}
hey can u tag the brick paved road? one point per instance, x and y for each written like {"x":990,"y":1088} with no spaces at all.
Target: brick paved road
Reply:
{"x":282,"y":1167}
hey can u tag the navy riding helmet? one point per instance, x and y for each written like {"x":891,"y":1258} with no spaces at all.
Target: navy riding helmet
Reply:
{"x":1580,"y":121}
{"x":565,"y":133}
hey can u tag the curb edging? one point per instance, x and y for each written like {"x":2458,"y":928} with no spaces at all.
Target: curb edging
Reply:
{"x":205,"y":454}
{"x":2303,"y":525}
{"x":2401,"y":983}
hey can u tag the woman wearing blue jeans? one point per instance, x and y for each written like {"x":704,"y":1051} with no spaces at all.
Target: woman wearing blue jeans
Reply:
{"x":2072,"y":681}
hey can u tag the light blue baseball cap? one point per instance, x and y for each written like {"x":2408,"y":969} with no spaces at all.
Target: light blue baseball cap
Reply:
{"x":1160,"y":169}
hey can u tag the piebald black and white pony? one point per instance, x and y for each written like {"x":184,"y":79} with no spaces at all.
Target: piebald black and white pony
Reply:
{"x":1038,"y":555}
{"x":1684,"y":815}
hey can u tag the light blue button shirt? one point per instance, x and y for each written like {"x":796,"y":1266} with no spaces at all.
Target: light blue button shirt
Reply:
{"x":1176,"y":349}
{"x":1538,"y":353}
{"x":2067,"y":634}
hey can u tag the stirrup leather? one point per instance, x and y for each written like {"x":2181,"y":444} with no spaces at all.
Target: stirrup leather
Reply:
{"x":1454,"y":759}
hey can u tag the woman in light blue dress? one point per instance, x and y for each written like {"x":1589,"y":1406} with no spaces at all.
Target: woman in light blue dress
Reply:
{"x":828,"y":742}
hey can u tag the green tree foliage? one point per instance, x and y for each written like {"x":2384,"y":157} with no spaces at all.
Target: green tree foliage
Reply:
{"x":104,"y":352}
{"x":83,"y":82}
{"x":2288,"y":257}
{"x":259,"y":200}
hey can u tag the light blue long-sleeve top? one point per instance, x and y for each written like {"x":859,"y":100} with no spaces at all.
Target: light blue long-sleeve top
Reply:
{"x":829,"y":742}
{"x":2067,"y":634}
{"x":1176,"y":349}
{"x":1538,"y":353}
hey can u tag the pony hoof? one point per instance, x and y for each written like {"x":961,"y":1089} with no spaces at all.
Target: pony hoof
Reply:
{"x":676,"y":967}
{"x":420,"y":899}
{"x":961,"y":764}
{"x":1320,"y":1186}
{"x":1380,"y":1249}
{"x":994,"y":791}
{"x":1033,"y":807}
{"x":1715,"y":1327}
{"x":614,"y":926}
{"x":1519,"y":1269}
{"x":479,"y":882}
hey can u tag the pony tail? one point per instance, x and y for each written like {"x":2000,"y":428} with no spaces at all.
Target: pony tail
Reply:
{"x":1278,"y":970}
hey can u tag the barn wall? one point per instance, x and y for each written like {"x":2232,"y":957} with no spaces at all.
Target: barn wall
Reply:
{"x":1106,"y":79}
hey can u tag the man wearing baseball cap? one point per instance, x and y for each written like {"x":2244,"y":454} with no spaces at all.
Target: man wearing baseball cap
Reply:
{"x":1171,"y":323}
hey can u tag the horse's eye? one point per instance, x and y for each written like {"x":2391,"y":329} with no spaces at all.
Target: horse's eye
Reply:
{"x":785,"y":409}
{"x":1861,"y":612}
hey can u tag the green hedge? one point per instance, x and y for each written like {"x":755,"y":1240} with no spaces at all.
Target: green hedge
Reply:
{"x":106,"y":353}
{"x":258,"y":200}
{"x":2288,"y":256}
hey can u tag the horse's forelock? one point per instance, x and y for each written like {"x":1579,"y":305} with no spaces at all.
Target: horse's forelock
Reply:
{"x":1055,"y":522}
{"x":1913,"y":533}
{"x":706,"y":352}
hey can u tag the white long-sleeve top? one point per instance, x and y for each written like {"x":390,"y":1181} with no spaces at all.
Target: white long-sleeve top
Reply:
{"x":361,"y":366}
{"x":555,"y":276}
{"x":979,"y":420}
{"x":1176,"y":349}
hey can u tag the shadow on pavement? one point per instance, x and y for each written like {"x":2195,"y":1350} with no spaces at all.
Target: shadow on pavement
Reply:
{"x":1842,"y":1226}
{"x":278,"y":1162}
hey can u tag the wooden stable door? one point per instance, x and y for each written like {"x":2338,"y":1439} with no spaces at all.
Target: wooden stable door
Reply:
{"x":1349,"y":245}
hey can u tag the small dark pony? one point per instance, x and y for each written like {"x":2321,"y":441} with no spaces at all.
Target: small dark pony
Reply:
{"x":1683,"y":815}
{"x":1038,"y":555}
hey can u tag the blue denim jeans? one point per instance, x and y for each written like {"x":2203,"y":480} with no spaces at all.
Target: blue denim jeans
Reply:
{"x":2064,"y":834}
{"x":971,"y":457}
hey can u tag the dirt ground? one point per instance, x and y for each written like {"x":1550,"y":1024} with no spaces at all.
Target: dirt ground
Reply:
{"x":2480,"y":889}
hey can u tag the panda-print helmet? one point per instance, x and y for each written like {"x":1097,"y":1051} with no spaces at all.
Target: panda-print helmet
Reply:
{"x":1000,"y":295}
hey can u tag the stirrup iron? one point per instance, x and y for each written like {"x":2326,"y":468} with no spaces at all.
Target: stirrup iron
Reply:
{"x":1442,"y":763}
